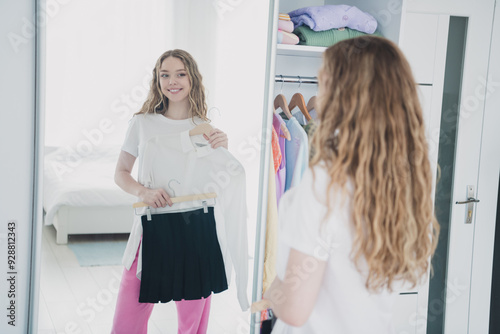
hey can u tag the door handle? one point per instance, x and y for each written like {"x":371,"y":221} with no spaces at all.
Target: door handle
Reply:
{"x":469,"y":200}
{"x":470,"y":204}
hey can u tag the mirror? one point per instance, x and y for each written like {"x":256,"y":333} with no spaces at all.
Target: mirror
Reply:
{"x":98,"y":58}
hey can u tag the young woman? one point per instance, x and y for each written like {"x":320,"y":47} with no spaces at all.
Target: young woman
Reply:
{"x":361,"y":223}
{"x":176,"y":103}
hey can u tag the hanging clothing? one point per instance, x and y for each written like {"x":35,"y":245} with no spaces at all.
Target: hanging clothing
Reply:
{"x":343,"y":298}
{"x":181,"y":257}
{"x":297,"y":153}
{"x":275,"y":144}
{"x":185,"y":165}
{"x":313,"y":114}
{"x":281,"y":172}
{"x":299,"y":116}
{"x":271,"y":233}
{"x":272,"y":215}
{"x":310,"y":127}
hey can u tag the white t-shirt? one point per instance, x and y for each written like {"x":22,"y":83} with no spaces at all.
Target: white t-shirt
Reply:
{"x":344,"y":305}
{"x":171,"y":159}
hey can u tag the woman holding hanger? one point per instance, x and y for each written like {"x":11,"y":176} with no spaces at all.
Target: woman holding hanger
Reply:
{"x":176,"y":103}
{"x":361,"y":222}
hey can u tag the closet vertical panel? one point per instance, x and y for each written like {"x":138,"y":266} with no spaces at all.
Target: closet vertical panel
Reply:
{"x":265,"y":152}
{"x":18,"y":23}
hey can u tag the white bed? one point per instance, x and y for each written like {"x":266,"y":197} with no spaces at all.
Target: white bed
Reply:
{"x":80,"y":195}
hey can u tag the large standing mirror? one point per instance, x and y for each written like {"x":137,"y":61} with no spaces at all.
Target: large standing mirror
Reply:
{"x":97,"y":58}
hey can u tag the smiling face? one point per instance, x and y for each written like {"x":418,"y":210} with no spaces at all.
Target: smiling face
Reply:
{"x":174,"y":80}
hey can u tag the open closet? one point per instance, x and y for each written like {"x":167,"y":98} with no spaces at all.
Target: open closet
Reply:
{"x":295,"y":69}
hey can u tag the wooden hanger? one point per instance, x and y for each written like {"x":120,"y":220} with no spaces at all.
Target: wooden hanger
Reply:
{"x":298,"y":101}
{"x":280,"y":102}
{"x":203,"y":128}
{"x":181,"y":199}
{"x":311,"y":104}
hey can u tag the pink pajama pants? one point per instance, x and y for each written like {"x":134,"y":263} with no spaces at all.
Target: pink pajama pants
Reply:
{"x":131,"y":317}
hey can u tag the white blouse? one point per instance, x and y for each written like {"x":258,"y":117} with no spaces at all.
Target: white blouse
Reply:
{"x":185,"y":165}
{"x":344,"y":304}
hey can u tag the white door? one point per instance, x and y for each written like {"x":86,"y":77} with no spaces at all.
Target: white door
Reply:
{"x":460,"y":134}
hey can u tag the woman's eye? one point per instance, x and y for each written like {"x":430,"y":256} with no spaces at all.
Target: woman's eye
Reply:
{"x":182,"y":74}
{"x":164,"y":76}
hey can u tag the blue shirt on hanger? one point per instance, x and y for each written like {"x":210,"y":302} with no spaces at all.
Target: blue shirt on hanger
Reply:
{"x":297,"y":153}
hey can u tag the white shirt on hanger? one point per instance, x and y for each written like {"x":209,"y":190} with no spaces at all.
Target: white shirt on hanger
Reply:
{"x":183,"y":165}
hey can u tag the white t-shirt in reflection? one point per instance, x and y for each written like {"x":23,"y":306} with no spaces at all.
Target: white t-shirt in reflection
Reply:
{"x":344,"y":305}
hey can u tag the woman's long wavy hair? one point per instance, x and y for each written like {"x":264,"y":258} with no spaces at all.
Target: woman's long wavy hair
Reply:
{"x":157,"y":102}
{"x":371,"y":133}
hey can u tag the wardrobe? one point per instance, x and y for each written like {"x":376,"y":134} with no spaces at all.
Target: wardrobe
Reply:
{"x":405,"y":23}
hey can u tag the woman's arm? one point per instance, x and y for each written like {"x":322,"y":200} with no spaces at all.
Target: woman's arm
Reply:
{"x":293,"y":299}
{"x":153,"y":197}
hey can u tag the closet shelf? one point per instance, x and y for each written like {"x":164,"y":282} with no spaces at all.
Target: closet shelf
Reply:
{"x":300,"y":50}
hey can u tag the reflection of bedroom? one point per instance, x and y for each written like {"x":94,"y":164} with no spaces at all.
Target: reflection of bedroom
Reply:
{"x":98,"y":61}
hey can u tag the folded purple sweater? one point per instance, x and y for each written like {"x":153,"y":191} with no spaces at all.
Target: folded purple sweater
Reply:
{"x":320,"y":18}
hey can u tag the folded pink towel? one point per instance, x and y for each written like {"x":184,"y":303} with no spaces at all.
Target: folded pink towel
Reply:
{"x":285,"y":25}
{"x":287,"y":38}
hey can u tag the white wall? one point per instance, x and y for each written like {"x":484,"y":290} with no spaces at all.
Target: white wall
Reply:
{"x":99,"y":61}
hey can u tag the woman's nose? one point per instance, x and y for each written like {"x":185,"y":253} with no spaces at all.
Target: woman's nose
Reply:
{"x":171,"y":81}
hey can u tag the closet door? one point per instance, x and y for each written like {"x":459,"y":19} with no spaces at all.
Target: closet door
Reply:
{"x":457,"y":139}
{"x":427,"y":57}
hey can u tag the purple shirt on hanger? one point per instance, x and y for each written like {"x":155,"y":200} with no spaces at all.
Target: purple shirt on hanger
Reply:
{"x":281,"y":173}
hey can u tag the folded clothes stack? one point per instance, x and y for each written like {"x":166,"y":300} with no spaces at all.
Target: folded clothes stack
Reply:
{"x":329,"y":24}
{"x":285,"y":30}
{"x":307,"y":36}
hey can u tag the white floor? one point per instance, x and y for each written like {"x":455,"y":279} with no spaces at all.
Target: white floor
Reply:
{"x":82,"y":300}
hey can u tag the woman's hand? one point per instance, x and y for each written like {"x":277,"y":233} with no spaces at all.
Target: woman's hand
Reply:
{"x":156,"y":198}
{"x":217,"y":138}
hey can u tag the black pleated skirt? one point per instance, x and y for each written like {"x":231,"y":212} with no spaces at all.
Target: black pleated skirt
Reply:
{"x":181,"y":257}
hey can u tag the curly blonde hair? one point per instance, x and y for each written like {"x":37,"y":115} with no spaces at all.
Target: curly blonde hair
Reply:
{"x":371,"y":133}
{"x":157,"y":102}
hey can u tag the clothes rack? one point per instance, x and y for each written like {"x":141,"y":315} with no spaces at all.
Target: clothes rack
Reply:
{"x":296,"y":79}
